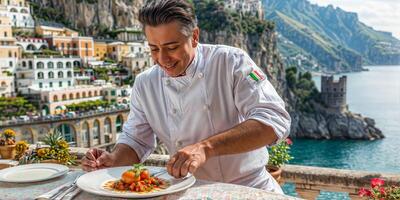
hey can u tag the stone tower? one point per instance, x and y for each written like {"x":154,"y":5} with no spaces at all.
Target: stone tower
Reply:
{"x":334,"y":92}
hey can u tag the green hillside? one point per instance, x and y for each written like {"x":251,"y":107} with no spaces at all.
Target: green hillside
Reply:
{"x":334,"y":37}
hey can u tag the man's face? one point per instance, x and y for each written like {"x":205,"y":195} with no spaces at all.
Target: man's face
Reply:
{"x":170,"y":49}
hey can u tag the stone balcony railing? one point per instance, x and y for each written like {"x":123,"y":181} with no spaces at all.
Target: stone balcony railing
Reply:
{"x":309,"y":181}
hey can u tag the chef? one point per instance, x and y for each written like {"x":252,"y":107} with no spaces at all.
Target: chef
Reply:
{"x":211,"y":105}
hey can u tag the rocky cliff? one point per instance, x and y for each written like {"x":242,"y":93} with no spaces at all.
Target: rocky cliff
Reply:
{"x":90,"y":16}
{"x":218,"y":26}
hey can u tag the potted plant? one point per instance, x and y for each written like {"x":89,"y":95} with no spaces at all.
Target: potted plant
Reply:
{"x":279,"y":154}
{"x":7,"y":144}
{"x":378,"y":191}
{"x":55,"y":150}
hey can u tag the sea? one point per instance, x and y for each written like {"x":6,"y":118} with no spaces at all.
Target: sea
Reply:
{"x":376,"y":94}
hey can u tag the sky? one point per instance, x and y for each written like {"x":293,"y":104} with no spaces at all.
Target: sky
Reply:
{"x":383,"y":15}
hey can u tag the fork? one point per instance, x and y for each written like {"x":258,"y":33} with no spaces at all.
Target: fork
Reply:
{"x":159,"y":173}
{"x":64,"y":192}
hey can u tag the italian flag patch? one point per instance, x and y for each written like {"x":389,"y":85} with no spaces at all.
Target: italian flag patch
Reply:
{"x":256,"y":75}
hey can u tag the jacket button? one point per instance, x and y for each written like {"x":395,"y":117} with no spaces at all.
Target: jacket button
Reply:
{"x":200,"y":75}
{"x":167,"y":82}
{"x":174,"y":110}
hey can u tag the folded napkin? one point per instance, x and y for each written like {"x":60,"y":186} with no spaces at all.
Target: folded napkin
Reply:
{"x":49,"y":195}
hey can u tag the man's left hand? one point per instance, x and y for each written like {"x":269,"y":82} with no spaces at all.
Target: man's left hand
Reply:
{"x":187,"y":159}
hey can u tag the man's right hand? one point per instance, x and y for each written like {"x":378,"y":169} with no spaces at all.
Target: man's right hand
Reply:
{"x":97,"y":159}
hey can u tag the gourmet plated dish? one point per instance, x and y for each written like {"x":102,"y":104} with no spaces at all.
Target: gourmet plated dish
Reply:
{"x":138,"y":180}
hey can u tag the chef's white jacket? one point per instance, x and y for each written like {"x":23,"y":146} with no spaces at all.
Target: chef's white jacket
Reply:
{"x":216,"y":94}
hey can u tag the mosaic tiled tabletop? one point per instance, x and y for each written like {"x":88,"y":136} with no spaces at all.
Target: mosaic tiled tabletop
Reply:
{"x":201,"y":190}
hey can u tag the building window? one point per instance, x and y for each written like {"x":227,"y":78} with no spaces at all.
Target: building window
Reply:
{"x":51,"y":75}
{"x":112,"y":92}
{"x":60,"y":84}
{"x":10,"y":63}
{"x":5,"y":34}
{"x":60,"y":75}
{"x":40,"y":85}
{"x":40,"y":75}
{"x":9,"y":54}
{"x":60,"y":65}
{"x":69,"y":84}
{"x":69,"y":65}
{"x":22,"y":76}
{"x":55,"y":98}
{"x":71,"y":96}
{"x":69,"y":74}
{"x":51,"y":84}
{"x":50,"y":65}
{"x":40,"y":65}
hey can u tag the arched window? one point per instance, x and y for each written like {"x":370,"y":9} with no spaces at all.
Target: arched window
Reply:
{"x":40,"y":65}
{"x":84,"y":95}
{"x":3,"y":84}
{"x":90,"y":93}
{"x":23,"y":64}
{"x":64,"y":97}
{"x":13,"y":10}
{"x":78,"y":95}
{"x":95,"y":93}
{"x":107,"y":130}
{"x":69,"y":74}
{"x":71,"y":96}
{"x":60,"y":75}
{"x":96,"y":132}
{"x":85,"y":135}
{"x":51,"y":74}
{"x":40,"y":75}
{"x":68,"y":65}
{"x":55,"y":98}
{"x":60,"y":65}
{"x":50,"y":65}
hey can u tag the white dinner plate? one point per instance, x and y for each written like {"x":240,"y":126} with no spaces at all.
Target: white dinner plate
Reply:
{"x":32,"y":172}
{"x":92,"y":182}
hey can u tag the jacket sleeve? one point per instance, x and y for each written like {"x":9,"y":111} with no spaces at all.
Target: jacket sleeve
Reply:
{"x":137,"y":132}
{"x":256,"y":98}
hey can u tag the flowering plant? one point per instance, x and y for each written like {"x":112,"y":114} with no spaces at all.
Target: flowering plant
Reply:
{"x":21,"y":147}
{"x":9,"y":138}
{"x":380,"y":192}
{"x":57,"y":149}
{"x":280,"y":154}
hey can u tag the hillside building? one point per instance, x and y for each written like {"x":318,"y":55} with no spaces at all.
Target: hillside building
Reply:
{"x":18,"y":11}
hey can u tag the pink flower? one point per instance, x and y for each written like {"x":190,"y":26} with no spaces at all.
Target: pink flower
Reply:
{"x":382,"y":191}
{"x":364,"y":192}
{"x":377,"y":182}
{"x":289,"y":141}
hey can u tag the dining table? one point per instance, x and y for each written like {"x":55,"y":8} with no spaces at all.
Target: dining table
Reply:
{"x":202,"y":189}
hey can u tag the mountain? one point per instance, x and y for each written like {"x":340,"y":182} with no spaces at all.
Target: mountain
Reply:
{"x":329,"y":37}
